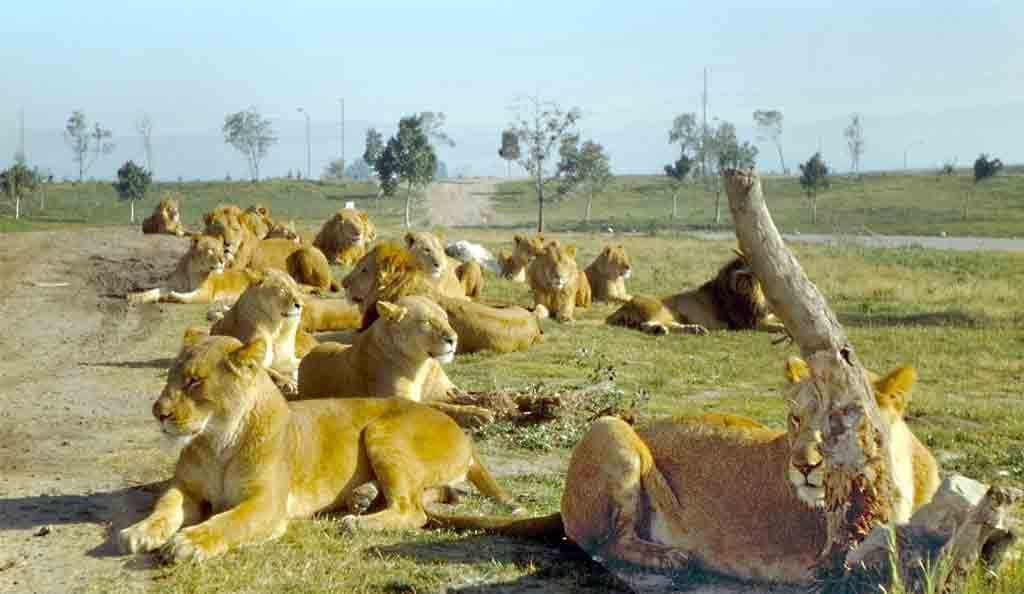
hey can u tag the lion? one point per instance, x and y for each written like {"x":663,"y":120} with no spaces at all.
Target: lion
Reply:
{"x":284,"y":231}
{"x":253,"y":461}
{"x":398,"y":356}
{"x":257,"y":220}
{"x":325,"y":315}
{"x":557,"y":282}
{"x":166,"y":219}
{"x":733,"y":300}
{"x":200,"y":277}
{"x":225,"y":222}
{"x":305,"y":263}
{"x":345,"y":236}
{"x":389,"y":272}
{"x":512,"y":264}
{"x":607,"y":274}
{"x":428,"y":252}
{"x":715,"y":492}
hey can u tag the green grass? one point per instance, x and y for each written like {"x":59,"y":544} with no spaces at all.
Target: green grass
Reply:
{"x":955,"y":316}
{"x":893,"y":204}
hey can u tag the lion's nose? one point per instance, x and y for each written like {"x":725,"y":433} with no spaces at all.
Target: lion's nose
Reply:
{"x":808,"y":467}
{"x":159,"y":412}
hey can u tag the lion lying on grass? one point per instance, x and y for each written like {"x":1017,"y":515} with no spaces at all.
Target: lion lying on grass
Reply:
{"x":715,"y":492}
{"x":345,"y":237}
{"x":733,"y":300}
{"x":166,"y":219}
{"x":200,"y":277}
{"x":253,"y":461}
{"x":557,"y":282}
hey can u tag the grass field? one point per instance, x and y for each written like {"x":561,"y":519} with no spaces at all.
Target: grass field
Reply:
{"x":908,"y":204}
{"x":955,"y":316}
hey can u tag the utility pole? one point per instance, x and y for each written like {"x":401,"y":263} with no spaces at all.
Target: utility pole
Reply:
{"x":20,"y":155}
{"x":342,"y":101}
{"x":309,"y":170}
{"x":704,"y":132}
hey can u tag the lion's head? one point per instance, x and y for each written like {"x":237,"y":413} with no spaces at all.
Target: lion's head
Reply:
{"x":225,"y":222}
{"x":737,"y":295}
{"x":349,"y":226}
{"x":417,"y":327}
{"x":169,"y":211}
{"x":275,"y":298}
{"x":284,"y":231}
{"x":806,"y":419}
{"x":613,"y":263}
{"x":208,"y":388}
{"x":525,"y":249}
{"x":428,"y":251}
{"x":554,"y":268}
{"x":206,"y":255}
{"x":374,"y":269}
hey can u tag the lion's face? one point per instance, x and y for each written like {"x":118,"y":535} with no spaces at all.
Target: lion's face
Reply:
{"x":525,"y":249}
{"x":419,"y":328}
{"x":614,"y":262}
{"x":169,"y":210}
{"x":206,"y":255}
{"x":427,"y":251}
{"x":373,"y":269}
{"x":555,"y":267}
{"x":277,"y":297}
{"x":804,"y":422}
{"x":741,"y":280}
{"x":206,"y":387}
{"x":225,"y":222}
{"x":351,"y":227}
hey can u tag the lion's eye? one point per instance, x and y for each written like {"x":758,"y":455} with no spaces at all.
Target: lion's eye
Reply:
{"x":796,"y":421}
{"x":191,"y":383}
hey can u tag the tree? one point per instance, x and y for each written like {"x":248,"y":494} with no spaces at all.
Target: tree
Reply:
{"x":585,"y":168}
{"x":252,"y":135}
{"x":408,"y":158}
{"x":358,"y":170}
{"x":854,"y":135}
{"x":677,"y":173}
{"x":685,"y":133}
{"x":374,"y":147}
{"x":769,"y":124}
{"x":86,"y":145}
{"x":132,"y":183}
{"x":144,"y":126}
{"x":509,"y":149}
{"x":432,"y":123}
{"x":16,"y":182}
{"x":335,"y":170}
{"x":724,"y":151}
{"x":984,"y":168}
{"x":813,"y":178}
{"x":543,"y":126}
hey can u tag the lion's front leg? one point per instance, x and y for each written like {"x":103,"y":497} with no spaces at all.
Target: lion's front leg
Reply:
{"x":174,"y":509}
{"x":260,"y":517}
{"x":150,"y":296}
{"x":197,"y":296}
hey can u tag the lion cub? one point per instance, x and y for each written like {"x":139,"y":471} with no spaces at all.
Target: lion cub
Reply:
{"x":253,"y":461}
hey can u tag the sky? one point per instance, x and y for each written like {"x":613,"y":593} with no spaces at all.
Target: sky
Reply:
{"x":941,"y":77}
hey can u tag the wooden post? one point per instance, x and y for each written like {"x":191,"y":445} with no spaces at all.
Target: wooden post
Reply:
{"x":858,"y":482}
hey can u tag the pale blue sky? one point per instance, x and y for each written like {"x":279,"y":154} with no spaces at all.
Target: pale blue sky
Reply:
{"x":630,"y":66}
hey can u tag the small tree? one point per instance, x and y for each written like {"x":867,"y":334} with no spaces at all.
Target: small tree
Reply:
{"x":541,"y":128}
{"x":86,"y":145}
{"x":374,"y":147}
{"x":132,"y":183}
{"x":677,"y":174}
{"x":586,"y":168}
{"x":813,"y":178}
{"x":335,"y":170}
{"x":252,"y":135}
{"x":724,"y":150}
{"x":769,"y":124}
{"x":854,"y":135}
{"x":509,"y":149}
{"x":985,"y":168}
{"x":16,"y":182}
{"x":686,"y":133}
{"x":408,"y":158}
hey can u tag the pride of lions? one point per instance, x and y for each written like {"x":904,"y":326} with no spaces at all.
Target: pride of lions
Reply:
{"x":281,"y":420}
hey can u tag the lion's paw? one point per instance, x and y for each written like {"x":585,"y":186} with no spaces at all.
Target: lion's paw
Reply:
{"x":362,"y":497}
{"x":194,"y":544}
{"x":473,"y":417}
{"x":695,"y":329}
{"x":349,"y":524}
{"x":143,"y":537}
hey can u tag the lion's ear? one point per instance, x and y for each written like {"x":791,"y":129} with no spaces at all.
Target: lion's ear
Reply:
{"x":517,"y":239}
{"x":796,"y":369}
{"x":263,"y":211}
{"x":193,"y":336}
{"x":570,"y":250}
{"x":364,"y":217}
{"x":208,"y":218}
{"x":249,"y":358}
{"x":607,"y":251}
{"x":390,"y":311}
{"x":896,"y":386}
{"x":409,"y":240}
{"x":195,"y":240}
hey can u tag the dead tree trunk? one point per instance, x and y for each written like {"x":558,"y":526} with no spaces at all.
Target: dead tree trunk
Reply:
{"x":858,"y":482}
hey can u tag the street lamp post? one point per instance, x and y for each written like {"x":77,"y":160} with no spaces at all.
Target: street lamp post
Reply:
{"x":906,"y":151}
{"x":309,"y":160}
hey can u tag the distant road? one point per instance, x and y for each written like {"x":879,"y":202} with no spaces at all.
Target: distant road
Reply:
{"x":962,"y":244}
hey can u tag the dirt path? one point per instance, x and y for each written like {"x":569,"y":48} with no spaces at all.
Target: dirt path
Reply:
{"x":461,"y":202}
{"x":78,"y":372}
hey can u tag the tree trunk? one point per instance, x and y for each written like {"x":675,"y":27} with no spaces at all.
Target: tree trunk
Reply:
{"x":17,"y":207}
{"x":590,"y":204}
{"x":42,"y":200}
{"x":675,"y":204}
{"x":858,"y":480}
{"x":408,"y":206}
{"x":814,"y":209}
{"x":967,"y":200}
{"x":132,"y":203}
{"x":782,"y":161}
{"x":540,"y":199}
{"x":718,"y":205}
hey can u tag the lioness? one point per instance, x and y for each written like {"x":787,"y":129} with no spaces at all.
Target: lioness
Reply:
{"x":733,"y":300}
{"x":200,"y":277}
{"x":557,"y":282}
{"x":513,"y":264}
{"x":253,"y":461}
{"x":345,"y":236}
{"x":720,"y":493}
{"x":607,"y":274}
{"x":166,"y":219}
{"x":428,"y":253}
{"x":305,"y":263}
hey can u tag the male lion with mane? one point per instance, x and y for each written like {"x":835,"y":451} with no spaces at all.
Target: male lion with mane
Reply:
{"x":253,"y":460}
{"x":345,"y":236}
{"x":166,"y":219}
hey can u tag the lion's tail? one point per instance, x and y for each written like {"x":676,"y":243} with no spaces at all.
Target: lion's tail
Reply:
{"x":484,"y":481}
{"x":543,"y":528}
